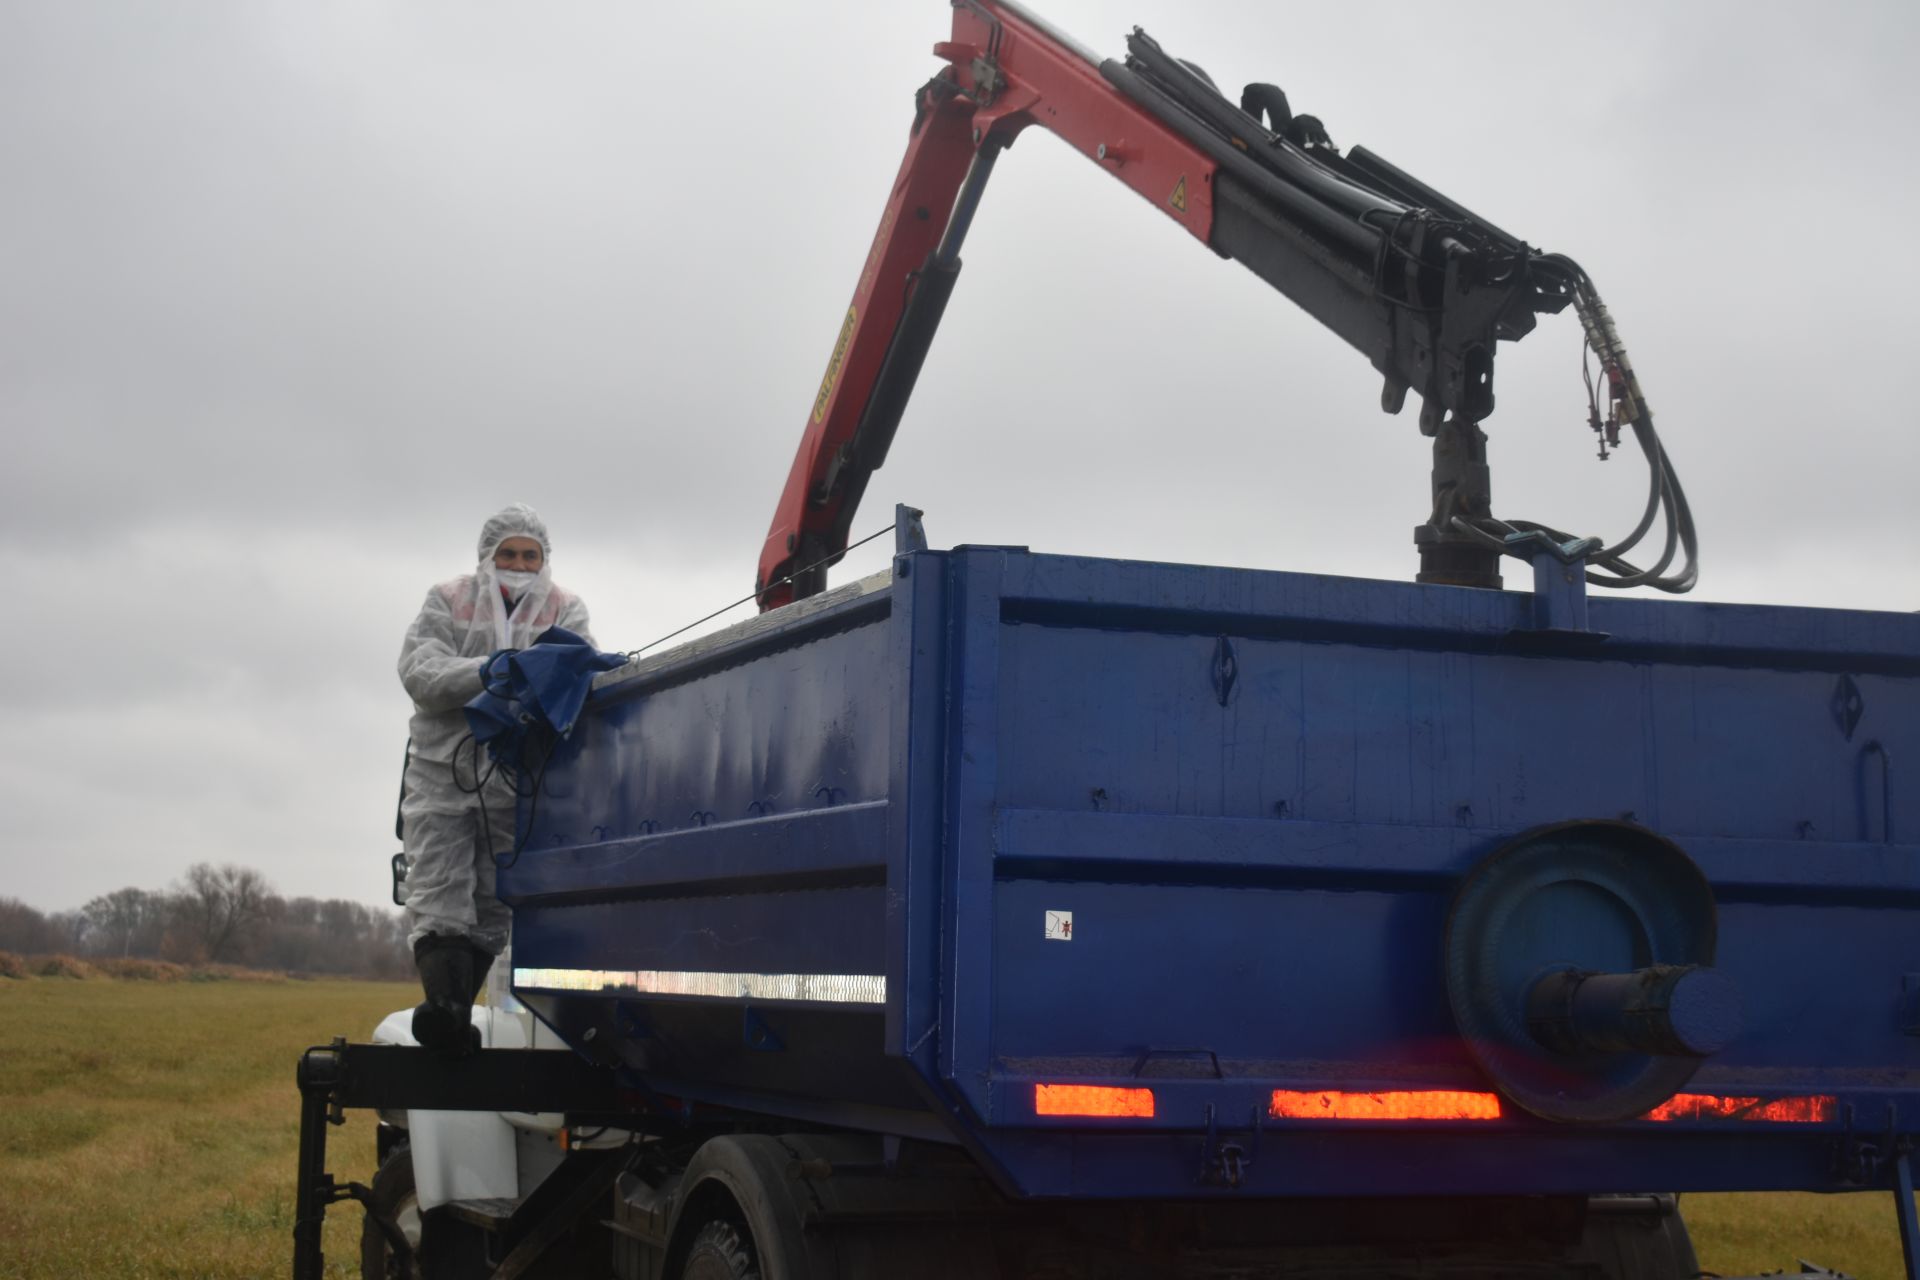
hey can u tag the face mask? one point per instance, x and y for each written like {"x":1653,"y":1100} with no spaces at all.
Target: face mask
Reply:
{"x":515,"y":580}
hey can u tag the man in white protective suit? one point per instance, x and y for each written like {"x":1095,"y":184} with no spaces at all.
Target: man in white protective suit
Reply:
{"x":456,"y":922}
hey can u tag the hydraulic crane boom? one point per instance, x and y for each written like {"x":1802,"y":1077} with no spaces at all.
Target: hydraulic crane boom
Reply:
{"x":1419,"y":285}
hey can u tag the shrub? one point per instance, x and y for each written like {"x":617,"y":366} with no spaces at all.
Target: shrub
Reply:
{"x":232,"y":973}
{"x":58,"y":966}
{"x":12,"y":966}
{"x":136,"y":969}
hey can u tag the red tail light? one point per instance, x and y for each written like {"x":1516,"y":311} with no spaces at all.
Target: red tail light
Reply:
{"x":1091,"y":1100}
{"x":1407,"y":1104}
{"x":1710,"y":1106}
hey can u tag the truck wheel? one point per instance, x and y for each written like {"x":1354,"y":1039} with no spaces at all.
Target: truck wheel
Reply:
{"x":394,"y":1199}
{"x":1639,"y":1238}
{"x":720,"y":1251}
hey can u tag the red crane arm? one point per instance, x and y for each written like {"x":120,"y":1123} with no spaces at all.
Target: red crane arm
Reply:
{"x":1006,"y":70}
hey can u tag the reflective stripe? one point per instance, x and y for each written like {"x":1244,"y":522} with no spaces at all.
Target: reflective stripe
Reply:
{"x":829,"y":988}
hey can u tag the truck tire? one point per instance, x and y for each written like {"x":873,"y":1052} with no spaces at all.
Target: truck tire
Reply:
{"x":1639,"y":1238}
{"x":395,"y":1199}
{"x":720,"y":1251}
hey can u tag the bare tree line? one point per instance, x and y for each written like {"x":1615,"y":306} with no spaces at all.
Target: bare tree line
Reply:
{"x":218,"y":915}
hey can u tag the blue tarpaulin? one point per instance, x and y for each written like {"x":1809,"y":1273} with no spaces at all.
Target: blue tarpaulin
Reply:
{"x":535,"y":692}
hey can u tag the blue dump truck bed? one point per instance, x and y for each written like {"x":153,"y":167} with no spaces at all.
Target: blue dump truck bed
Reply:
{"x":1146,"y":880}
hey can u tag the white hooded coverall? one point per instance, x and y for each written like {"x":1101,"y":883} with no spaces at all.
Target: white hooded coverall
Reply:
{"x":450,"y":885}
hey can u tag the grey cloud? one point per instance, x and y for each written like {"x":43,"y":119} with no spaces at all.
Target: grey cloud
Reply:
{"x":296,"y":294}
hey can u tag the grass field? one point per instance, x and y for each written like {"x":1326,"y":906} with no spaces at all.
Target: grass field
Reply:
{"x":149,"y":1130}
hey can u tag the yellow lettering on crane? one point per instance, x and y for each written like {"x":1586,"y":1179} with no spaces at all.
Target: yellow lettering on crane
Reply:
{"x":1179,"y":197}
{"x":833,"y":366}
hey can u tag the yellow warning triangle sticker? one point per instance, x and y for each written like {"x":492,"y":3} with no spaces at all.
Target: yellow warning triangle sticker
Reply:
{"x":1179,"y":197}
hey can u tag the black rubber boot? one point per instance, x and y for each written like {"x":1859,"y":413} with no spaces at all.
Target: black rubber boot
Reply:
{"x":482,"y":965}
{"x":442,"y":1021}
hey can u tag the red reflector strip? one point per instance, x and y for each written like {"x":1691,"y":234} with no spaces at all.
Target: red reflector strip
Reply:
{"x":1408,"y":1104}
{"x":1091,"y":1100}
{"x":1709,"y":1106}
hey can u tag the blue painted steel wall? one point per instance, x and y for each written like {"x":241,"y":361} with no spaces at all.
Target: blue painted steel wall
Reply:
{"x":1259,"y":868}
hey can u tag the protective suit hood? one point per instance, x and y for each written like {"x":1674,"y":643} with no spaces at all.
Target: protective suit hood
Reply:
{"x":512,"y":626}
{"x":516,"y":520}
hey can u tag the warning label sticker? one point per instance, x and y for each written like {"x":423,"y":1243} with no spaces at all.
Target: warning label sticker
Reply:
{"x":1060,"y":926}
{"x":1179,"y":197}
{"x":833,"y":365}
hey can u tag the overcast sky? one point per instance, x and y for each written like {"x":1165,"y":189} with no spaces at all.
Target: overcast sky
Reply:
{"x":293,"y":295}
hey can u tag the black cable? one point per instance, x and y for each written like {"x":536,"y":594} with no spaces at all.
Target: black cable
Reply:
{"x":1586,"y":376}
{"x":1680,"y":529}
{"x":532,"y":796}
{"x":479,"y":780}
{"x":1610,"y":568}
{"x":1656,"y":491}
{"x":478,"y":789}
{"x":514,"y":776}
{"x":1666,"y":500}
{"x":777,"y":582}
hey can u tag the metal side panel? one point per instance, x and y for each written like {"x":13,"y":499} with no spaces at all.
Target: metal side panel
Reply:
{"x":896,"y":857}
{"x":702,"y":900}
{"x":1205,"y":828}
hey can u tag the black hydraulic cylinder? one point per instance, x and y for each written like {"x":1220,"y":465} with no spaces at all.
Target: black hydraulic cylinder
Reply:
{"x":1462,"y":486}
{"x":1409,"y":279}
{"x":1327,"y":283}
{"x":846,"y":475}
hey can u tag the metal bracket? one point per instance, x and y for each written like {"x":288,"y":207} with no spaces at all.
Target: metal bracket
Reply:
{"x":987,"y":81}
{"x":1858,"y":1160}
{"x":1531,"y":544}
{"x":1559,"y":586}
{"x":1225,"y":1164}
{"x":758,"y":1033}
{"x":909,"y":531}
